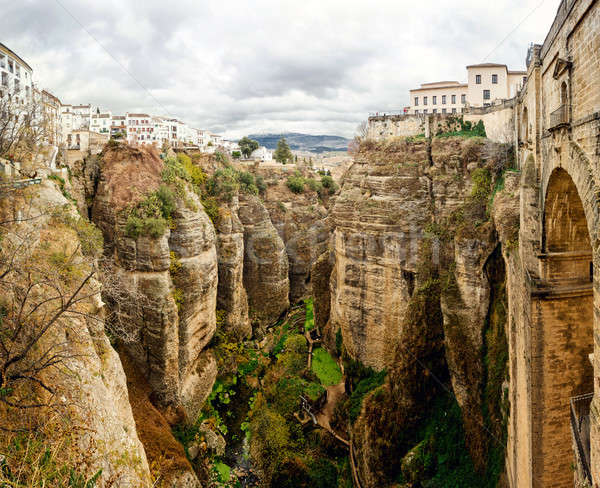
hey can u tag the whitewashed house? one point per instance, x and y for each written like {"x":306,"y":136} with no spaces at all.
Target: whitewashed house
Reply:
{"x":262,"y":154}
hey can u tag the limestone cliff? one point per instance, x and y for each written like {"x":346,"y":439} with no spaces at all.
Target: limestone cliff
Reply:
{"x":170,"y":280}
{"x":85,"y":422}
{"x":266,"y":265}
{"x":231,"y":297}
{"x":412,"y":237}
{"x":301,"y":221}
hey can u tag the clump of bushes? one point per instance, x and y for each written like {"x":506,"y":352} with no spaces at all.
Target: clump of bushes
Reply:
{"x":296,"y":182}
{"x":151,"y":216}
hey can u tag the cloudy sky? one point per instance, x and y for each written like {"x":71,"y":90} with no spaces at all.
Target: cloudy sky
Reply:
{"x":243,"y":66}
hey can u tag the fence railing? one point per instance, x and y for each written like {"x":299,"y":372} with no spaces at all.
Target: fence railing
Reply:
{"x":580,"y":429}
{"x":559,"y":117}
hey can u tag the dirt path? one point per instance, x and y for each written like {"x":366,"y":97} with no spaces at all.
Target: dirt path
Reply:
{"x":333,"y":395}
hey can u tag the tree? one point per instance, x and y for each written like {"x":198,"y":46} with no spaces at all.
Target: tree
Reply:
{"x":23,"y":127}
{"x":247,"y":146}
{"x":236,"y":154}
{"x":283,"y":154}
{"x":42,"y":289}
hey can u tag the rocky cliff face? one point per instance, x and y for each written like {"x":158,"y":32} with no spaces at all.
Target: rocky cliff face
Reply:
{"x":171,"y":280}
{"x":88,"y":422}
{"x":266,"y":265}
{"x":411,"y":228}
{"x":231,"y":297}
{"x":301,"y":222}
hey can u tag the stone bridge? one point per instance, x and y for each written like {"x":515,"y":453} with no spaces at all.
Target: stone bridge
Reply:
{"x":554,"y":277}
{"x":554,"y":280}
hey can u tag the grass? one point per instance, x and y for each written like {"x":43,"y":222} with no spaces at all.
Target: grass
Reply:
{"x":309,"y":323}
{"x":325,"y":367}
{"x":223,"y":471}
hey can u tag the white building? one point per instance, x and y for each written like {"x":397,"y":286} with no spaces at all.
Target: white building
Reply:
{"x":262,"y":154}
{"x":440,"y":97}
{"x":490,"y":82}
{"x":140,"y":129}
{"x":487,"y":83}
{"x":16,"y":76}
{"x":118,"y":125}
{"x":101,"y":123}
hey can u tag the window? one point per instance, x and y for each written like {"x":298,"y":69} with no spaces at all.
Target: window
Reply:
{"x":443,"y":110}
{"x":453,"y":110}
{"x":453,"y":100}
{"x":443,"y":99}
{"x":425,"y":111}
{"x":494,"y":79}
{"x":435,"y":110}
{"x":463,"y":98}
{"x":434,"y":100}
{"x":5,"y":79}
{"x":424,"y":100}
{"x":2,"y":61}
{"x":17,"y":71}
{"x":416,"y":101}
{"x":17,"y":86}
{"x":524,"y":79}
{"x":416,"y":111}
{"x":486,"y":94}
{"x":11,"y":66}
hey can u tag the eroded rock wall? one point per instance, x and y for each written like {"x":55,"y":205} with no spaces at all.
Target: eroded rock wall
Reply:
{"x":171,"y":280}
{"x":266,"y":265}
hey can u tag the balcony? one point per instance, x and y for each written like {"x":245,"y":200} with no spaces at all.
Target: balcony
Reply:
{"x":580,"y":430}
{"x":560,"y":117}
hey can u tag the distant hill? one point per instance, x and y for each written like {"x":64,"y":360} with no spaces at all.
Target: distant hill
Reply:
{"x":303,"y":142}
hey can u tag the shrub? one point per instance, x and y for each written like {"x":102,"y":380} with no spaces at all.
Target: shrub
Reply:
{"x":193,"y":173}
{"x":260,"y":184}
{"x":211,"y":207}
{"x":323,"y":473}
{"x":247,"y":184}
{"x":327,"y":182}
{"x":314,"y":185}
{"x":221,"y":157}
{"x":482,"y":181}
{"x":296,"y":183}
{"x":223,"y":184}
{"x":236,"y":154}
{"x":151,"y":216}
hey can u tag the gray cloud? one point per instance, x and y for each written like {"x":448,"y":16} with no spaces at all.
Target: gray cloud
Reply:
{"x":239,"y":67}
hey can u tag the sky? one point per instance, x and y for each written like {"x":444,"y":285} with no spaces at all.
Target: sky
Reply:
{"x":237,"y":67}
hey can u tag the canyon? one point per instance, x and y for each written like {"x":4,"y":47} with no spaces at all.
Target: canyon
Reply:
{"x":429,"y":318}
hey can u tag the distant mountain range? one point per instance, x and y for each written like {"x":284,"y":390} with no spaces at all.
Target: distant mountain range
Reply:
{"x":303,"y":142}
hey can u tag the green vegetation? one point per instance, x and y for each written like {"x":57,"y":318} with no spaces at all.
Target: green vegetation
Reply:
{"x":325,"y":367}
{"x":62,"y":187}
{"x":283,"y":154}
{"x":467,"y":129}
{"x":368,"y":380}
{"x":247,"y":146}
{"x":223,"y":471}
{"x":295,"y":182}
{"x":151,"y":216}
{"x":38,"y":460}
{"x":309,"y":323}
{"x":328,"y":183}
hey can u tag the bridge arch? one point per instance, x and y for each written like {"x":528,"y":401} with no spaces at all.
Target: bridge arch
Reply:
{"x":563,"y":336}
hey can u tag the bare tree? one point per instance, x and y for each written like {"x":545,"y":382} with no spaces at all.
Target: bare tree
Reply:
{"x":23,"y":127}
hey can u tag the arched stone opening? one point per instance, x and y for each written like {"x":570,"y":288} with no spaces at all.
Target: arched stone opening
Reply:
{"x":562,"y":339}
{"x":563,"y":93}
